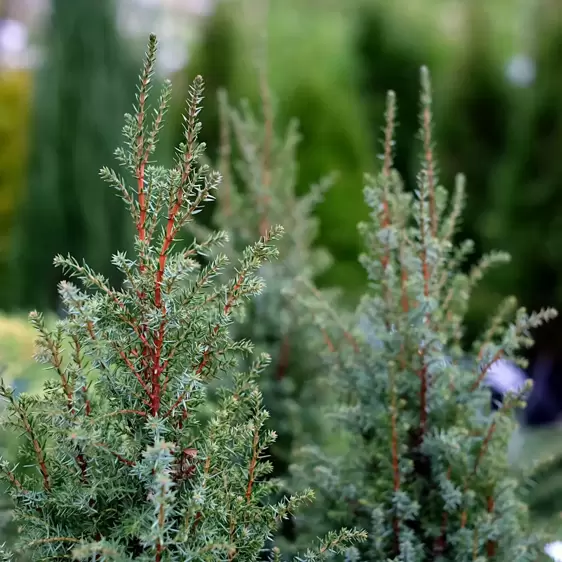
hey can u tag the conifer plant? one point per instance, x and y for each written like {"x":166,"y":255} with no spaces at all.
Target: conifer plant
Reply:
{"x":259,"y":171}
{"x":124,"y":467}
{"x":425,"y":469}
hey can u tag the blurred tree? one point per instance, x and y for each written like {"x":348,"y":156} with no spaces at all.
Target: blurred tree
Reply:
{"x":472,"y":127}
{"x":81,"y":92}
{"x":313,"y":72}
{"x":220,"y":57}
{"x":14,"y":112}
{"x":525,"y":211}
{"x":526,"y":218}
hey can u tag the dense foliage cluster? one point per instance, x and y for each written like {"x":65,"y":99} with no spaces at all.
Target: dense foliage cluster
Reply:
{"x":425,"y":469}
{"x":259,"y":189}
{"x":313,"y":71}
{"x":125,"y":467}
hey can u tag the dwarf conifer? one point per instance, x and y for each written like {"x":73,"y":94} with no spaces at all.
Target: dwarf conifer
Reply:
{"x":425,"y":469}
{"x":124,"y":466}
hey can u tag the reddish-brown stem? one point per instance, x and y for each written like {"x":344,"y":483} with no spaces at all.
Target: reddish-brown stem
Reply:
{"x":231,"y":529}
{"x":90,"y":329}
{"x":80,"y":459}
{"x":116,"y":455}
{"x":423,"y":400}
{"x":253,"y":463}
{"x":141,"y":224}
{"x":430,"y":168}
{"x":404,"y":302}
{"x":481,"y":453}
{"x":283,"y":358}
{"x":22,"y":415}
{"x":78,"y":360}
{"x":88,"y":407}
{"x":13,"y":480}
{"x":124,"y":412}
{"x":207,"y":353}
{"x":134,"y":371}
{"x":56,"y":362}
{"x":426,"y":277}
{"x":351,"y":340}
{"x":197,"y":520}
{"x":425,"y":271}
{"x":403,"y":283}
{"x":328,"y":341}
{"x":153,"y":356}
{"x":156,"y":387}
{"x":232,"y":297}
{"x":268,"y":139}
{"x":38,"y":452}
{"x":387,"y":165}
{"x":395,"y":460}
{"x":485,"y":443}
{"x":423,"y":242}
{"x":170,"y":233}
{"x":141,"y":228}
{"x":441,"y":542}
{"x":385,"y":217}
{"x":486,"y":368}
{"x":184,"y":416}
{"x":225,"y":155}
{"x":81,"y":462}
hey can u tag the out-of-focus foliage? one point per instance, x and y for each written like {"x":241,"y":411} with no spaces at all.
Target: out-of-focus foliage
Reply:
{"x":16,"y":354}
{"x":80,"y":93}
{"x":388,"y":57}
{"x":427,"y":470}
{"x":525,"y":214}
{"x":312,"y":68}
{"x":14,"y":110}
{"x":472,"y":126}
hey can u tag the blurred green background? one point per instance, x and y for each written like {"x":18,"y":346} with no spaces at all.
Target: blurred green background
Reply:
{"x":66,"y":78}
{"x":67,"y":73}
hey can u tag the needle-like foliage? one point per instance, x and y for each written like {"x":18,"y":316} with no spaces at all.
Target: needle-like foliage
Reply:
{"x":259,"y":168}
{"x":426,"y":468}
{"x":125,"y":468}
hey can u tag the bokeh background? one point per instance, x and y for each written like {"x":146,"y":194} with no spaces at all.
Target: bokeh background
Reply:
{"x":67,"y":75}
